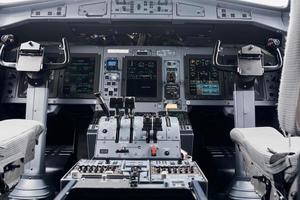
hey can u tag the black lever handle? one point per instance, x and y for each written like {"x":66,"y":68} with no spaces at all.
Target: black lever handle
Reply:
{"x":103,"y":105}
{"x":147,"y":126}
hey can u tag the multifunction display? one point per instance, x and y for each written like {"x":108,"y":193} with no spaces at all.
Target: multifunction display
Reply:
{"x":203,"y":80}
{"x":142,"y":78}
{"x":79,"y":77}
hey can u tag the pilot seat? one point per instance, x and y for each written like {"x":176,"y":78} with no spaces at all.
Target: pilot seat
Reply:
{"x":17,"y":144}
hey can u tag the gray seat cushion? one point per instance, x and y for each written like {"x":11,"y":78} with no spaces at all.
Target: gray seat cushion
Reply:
{"x":17,"y":140}
{"x":259,"y":144}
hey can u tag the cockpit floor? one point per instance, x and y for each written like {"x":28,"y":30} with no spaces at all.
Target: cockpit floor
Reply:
{"x":217,"y":164}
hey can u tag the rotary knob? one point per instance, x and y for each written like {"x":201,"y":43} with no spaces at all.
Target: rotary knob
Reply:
{"x":114,"y":77}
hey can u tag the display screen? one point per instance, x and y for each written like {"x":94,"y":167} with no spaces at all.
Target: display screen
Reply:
{"x":203,"y":78}
{"x":112,"y":64}
{"x":143,"y":75}
{"x":79,"y":77}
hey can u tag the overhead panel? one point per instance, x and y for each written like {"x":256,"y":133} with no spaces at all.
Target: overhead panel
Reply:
{"x":93,"y":10}
{"x":57,"y":11}
{"x":142,"y":7}
{"x":228,"y":13}
{"x":189,"y":10}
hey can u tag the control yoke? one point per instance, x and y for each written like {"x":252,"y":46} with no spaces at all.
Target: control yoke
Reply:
{"x":247,"y":53}
{"x":36,"y":52}
{"x":60,"y":65}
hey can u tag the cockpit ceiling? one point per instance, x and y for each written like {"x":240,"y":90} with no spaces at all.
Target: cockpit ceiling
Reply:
{"x":166,"y":34}
{"x":270,"y":3}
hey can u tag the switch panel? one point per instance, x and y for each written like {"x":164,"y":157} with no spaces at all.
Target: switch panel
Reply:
{"x":226,"y":13}
{"x":92,"y":10}
{"x":111,"y":78}
{"x":58,"y":11}
{"x":189,"y":10}
{"x":145,"y":7}
{"x":111,"y":84}
{"x":160,"y":175}
{"x":171,"y":72}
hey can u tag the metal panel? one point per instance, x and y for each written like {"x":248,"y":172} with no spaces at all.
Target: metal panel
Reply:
{"x":93,"y":9}
{"x":189,"y":10}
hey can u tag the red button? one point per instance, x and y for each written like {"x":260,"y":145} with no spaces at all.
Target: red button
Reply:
{"x":153,"y":150}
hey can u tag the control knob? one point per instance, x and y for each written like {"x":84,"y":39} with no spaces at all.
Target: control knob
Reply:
{"x":114,"y":77}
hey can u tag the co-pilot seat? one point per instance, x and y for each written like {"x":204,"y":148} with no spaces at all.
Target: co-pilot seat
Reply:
{"x":17,"y":143}
{"x":271,"y":157}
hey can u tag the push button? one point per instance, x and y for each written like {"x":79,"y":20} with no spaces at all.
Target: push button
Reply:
{"x":153,"y":150}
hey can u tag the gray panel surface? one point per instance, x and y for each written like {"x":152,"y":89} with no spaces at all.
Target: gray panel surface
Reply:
{"x":168,"y":140}
{"x":175,"y":11}
{"x":168,"y":54}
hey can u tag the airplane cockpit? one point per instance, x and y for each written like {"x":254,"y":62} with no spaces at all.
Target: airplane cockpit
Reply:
{"x":149,"y":99}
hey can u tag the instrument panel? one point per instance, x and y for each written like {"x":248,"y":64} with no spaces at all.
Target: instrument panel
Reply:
{"x":142,"y":78}
{"x":154,"y":75}
{"x":203,"y":81}
{"x":80,"y":78}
